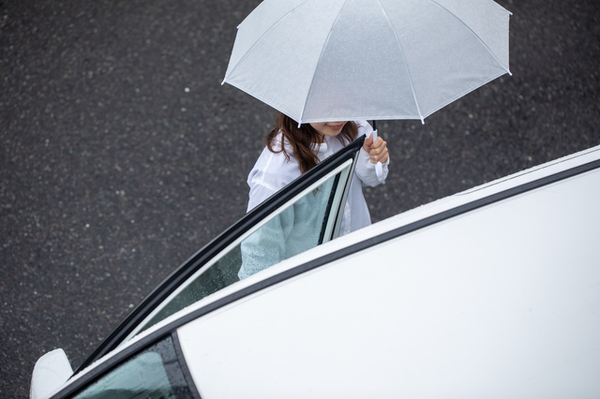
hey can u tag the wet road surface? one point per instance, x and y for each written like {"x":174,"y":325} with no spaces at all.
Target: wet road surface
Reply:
{"x":122,"y":154}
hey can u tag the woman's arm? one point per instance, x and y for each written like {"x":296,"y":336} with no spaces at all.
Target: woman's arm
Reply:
{"x":271,"y":173}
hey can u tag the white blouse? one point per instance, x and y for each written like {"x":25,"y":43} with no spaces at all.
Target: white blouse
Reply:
{"x":274,"y":171}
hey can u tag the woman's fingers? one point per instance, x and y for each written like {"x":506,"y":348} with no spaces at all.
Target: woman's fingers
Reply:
{"x":378,"y":151}
{"x":368,"y":143}
{"x":382,"y":157}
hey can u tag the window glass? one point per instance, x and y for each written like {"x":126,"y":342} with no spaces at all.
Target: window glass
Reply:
{"x":299,"y":227}
{"x":153,"y":374}
{"x":295,"y":230}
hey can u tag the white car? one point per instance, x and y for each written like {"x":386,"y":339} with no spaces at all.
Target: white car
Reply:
{"x":493,"y":292}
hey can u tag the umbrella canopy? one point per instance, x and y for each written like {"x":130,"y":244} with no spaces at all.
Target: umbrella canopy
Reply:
{"x":324,"y":60}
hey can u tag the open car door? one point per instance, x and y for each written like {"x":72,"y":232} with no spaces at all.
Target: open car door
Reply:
{"x":250,"y":245}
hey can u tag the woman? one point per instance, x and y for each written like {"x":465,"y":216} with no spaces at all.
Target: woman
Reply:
{"x":290,"y":151}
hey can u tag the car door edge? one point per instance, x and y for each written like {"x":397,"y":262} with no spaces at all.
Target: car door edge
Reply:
{"x":215,"y":246}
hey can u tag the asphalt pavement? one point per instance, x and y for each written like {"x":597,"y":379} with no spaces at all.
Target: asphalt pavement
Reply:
{"x":122,"y":154}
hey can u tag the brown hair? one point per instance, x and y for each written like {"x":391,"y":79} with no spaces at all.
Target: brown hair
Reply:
{"x":302,"y":138}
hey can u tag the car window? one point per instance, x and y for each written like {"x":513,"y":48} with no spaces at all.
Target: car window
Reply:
{"x":302,"y":224}
{"x":154,"y":373}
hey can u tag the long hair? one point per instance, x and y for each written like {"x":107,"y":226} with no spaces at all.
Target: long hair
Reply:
{"x":302,"y":140}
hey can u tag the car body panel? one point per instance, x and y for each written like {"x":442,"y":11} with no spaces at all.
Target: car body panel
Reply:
{"x":490,"y":292}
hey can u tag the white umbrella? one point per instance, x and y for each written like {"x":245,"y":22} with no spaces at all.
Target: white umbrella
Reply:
{"x":327,"y":60}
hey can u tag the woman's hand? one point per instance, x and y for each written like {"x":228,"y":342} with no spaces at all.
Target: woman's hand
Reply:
{"x":378,"y":151}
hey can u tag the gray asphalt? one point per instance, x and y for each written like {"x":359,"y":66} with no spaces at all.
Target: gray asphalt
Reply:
{"x":122,"y":154}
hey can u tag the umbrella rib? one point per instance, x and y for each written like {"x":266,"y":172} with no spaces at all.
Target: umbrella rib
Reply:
{"x":258,"y":40}
{"x":412,"y":86}
{"x":475,"y":34}
{"x":318,"y":61}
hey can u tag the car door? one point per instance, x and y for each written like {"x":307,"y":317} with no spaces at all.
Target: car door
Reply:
{"x":218,"y":264}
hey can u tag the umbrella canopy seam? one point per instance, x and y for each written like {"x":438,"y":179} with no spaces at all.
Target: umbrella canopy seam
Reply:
{"x":410,"y":78}
{"x":475,"y":34}
{"x":319,"y":60}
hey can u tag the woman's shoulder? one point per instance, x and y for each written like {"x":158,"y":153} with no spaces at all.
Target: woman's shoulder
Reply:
{"x":273,"y":169}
